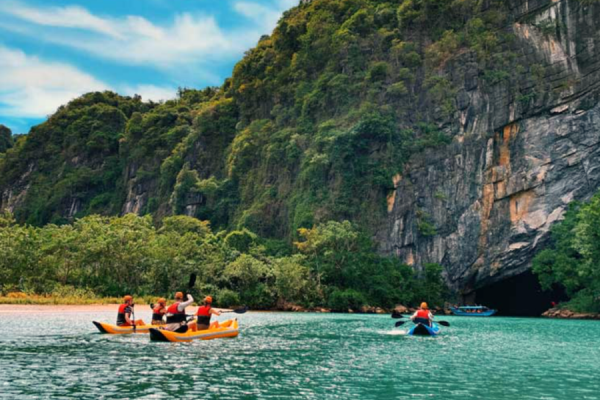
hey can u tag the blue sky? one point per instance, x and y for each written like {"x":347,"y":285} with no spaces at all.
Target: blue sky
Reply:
{"x":54,"y":51}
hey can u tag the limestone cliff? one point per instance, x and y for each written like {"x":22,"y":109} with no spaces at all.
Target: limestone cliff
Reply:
{"x":328,"y":118}
{"x":516,"y":160}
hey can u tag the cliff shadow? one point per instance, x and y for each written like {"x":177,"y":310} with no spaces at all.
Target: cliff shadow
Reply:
{"x":520,"y":295}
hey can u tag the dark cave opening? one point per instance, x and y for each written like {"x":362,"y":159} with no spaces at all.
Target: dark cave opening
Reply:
{"x":520,"y":295}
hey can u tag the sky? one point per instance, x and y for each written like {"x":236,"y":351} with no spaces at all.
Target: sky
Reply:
{"x":52,"y":51}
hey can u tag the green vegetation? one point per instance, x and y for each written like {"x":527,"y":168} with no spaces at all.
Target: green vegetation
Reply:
{"x":6,"y":141}
{"x":572,"y":259}
{"x":311,"y":128}
{"x":96,"y":257}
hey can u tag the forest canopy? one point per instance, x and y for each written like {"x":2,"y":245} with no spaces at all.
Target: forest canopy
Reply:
{"x":333,"y":265}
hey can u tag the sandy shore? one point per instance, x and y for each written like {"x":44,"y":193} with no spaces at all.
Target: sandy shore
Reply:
{"x":62,"y":309}
{"x":33,"y":308}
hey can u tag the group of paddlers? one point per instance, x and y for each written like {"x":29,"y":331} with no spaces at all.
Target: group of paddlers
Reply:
{"x":171,"y":318}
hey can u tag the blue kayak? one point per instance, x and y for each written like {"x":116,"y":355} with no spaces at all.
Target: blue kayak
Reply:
{"x":424,"y":330}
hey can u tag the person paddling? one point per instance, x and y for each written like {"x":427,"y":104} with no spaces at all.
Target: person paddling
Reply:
{"x":159,"y":311}
{"x":125,"y":311}
{"x":204,"y":313}
{"x":423,"y":315}
{"x":176,"y":318}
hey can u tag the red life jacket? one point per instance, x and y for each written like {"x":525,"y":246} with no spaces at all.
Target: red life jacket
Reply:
{"x":158,"y":312}
{"x":204,"y":311}
{"x":174,"y":315}
{"x":423,"y":314}
{"x":123,"y":309}
{"x":204,"y":315}
{"x":174,"y":309}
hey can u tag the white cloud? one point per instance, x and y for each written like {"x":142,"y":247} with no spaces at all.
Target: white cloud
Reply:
{"x":265,"y":17}
{"x":68,"y":17}
{"x":188,"y":45}
{"x":151,"y":92}
{"x":33,"y":88}
{"x":189,"y":40}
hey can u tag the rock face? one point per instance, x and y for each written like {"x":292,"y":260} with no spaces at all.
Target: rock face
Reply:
{"x":516,"y":160}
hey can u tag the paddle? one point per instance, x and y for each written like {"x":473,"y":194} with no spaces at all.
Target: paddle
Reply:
{"x":443,"y":323}
{"x":240,"y":310}
{"x":133,"y":316}
{"x":396,"y":315}
{"x":191,"y":282}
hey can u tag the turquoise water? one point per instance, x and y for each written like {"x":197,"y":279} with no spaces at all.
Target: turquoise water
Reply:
{"x":303,"y":356}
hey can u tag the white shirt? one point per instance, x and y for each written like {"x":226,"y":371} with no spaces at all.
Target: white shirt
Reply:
{"x":184,"y":304}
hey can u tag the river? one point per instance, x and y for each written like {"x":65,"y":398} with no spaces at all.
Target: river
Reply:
{"x":302,"y":356}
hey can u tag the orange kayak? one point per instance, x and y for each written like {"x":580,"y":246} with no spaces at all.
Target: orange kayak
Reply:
{"x":104,"y":327}
{"x":226,"y":329}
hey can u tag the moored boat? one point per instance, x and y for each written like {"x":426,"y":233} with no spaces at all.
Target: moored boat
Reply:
{"x":226,"y":329}
{"x":473,"y":311}
{"x":105,"y":327}
{"x":424,"y":330}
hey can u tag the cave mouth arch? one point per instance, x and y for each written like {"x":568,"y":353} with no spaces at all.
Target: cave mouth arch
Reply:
{"x":519,"y":296}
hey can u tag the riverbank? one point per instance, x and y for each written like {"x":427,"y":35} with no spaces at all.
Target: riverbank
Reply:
{"x":19,"y":298}
{"x":67,"y":309}
{"x":568,"y":314}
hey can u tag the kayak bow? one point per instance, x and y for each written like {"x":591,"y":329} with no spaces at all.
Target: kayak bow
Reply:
{"x":424,"y":330}
{"x":104,"y":327}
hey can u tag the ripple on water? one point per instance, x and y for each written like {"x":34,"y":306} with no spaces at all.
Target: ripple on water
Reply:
{"x":304,"y":356}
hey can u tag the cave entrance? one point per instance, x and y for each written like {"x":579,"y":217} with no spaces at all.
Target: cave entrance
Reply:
{"x":520,"y":295}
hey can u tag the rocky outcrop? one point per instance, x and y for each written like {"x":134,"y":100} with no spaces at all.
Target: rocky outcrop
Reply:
{"x":519,"y":156}
{"x":568,"y":314}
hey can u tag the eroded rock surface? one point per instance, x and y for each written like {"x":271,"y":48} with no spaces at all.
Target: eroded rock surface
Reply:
{"x":514,"y":166}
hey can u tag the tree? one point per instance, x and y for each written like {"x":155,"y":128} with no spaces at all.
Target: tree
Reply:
{"x":6,"y":141}
{"x":573,"y":258}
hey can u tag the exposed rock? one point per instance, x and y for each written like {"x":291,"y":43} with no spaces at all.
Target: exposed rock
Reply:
{"x":285,"y":306}
{"x":494,"y":194}
{"x":401,"y":309}
{"x":372,"y":310}
{"x":564,"y":313}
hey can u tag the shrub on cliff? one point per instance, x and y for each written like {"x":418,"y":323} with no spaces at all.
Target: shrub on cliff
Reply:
{"x":6,"y":141}
{"x":572,"y":260}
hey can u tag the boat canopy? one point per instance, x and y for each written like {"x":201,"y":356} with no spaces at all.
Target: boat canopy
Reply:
{"x":473,"y":308}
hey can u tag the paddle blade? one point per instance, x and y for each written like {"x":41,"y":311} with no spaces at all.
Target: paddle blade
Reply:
{"x":152,"y":306}
{"x":443,"y":323}
{"x":396,"y":315}
{"x":192,"y":281}
{"x":399,"y":323}
{"x":241,"y":310}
